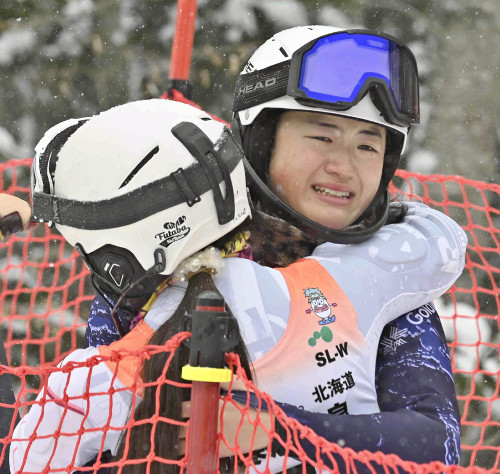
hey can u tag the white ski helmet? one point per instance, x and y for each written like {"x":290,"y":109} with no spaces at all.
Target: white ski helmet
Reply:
{"x":138,"y":188}
{"x":357,"y":73}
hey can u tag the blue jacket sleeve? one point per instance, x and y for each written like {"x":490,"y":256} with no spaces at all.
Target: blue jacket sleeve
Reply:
{"x":419,"y":417}
{"x":101,"y":329}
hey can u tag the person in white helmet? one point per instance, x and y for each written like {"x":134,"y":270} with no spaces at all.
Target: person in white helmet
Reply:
{"x":302,"y":101}
{"x":301,"y":107}
{"x":136,"y":190}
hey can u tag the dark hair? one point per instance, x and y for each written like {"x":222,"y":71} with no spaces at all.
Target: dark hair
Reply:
{"x":397,"y":211}
{"x":171,"y":397}
{"x":258,"y":140}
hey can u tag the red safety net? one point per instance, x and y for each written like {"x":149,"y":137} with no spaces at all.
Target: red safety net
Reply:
{"x":46,"y":296}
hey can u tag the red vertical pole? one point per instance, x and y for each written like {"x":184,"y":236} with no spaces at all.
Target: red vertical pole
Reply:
{"x":182,"y":46}
{"x":202,"y":440}
{"x":212,"y":335}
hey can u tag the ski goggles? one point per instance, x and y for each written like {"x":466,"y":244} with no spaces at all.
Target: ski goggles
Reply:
{"x":336,"y":71}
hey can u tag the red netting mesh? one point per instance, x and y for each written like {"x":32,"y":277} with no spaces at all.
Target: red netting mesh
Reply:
{"x":46,"y":296}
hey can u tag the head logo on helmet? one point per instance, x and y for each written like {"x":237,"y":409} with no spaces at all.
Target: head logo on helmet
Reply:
{"x":257,"y":85}
{"x":138,"y":188}
{"x":358,"y":74}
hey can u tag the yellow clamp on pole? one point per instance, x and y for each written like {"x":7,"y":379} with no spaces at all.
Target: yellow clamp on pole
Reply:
{"x":206,"y":374}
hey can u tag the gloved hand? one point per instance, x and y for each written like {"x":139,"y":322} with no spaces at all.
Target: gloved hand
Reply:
{"x":15,"y":216}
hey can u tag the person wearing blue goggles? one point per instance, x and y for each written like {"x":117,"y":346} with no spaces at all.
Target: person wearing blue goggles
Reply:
{"x":323,"y":115}
{"x":358,"y":74}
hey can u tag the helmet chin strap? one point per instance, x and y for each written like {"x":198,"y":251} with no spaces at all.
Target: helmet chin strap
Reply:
{"x":394,"y":146}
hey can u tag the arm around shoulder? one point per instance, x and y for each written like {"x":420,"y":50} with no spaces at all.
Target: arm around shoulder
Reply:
{"x":440,"y":229}
{"x":59,"y":430}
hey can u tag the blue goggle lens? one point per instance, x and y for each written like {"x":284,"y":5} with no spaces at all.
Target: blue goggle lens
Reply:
{"x":338,"y":67}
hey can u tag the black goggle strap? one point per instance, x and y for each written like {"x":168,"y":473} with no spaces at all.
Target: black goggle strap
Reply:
{"x":261,"y":86}
{"x":181,"y":186}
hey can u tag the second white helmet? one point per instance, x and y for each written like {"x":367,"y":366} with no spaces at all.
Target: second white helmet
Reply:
{"x":142,"y":185}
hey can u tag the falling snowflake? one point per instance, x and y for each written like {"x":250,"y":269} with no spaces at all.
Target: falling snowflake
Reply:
{"x":395,"y":339}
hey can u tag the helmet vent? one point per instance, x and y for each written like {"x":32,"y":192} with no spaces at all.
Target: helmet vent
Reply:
{"x":141,"y":165}
{"x":49,"y":157}
{"x":283,"y":52}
